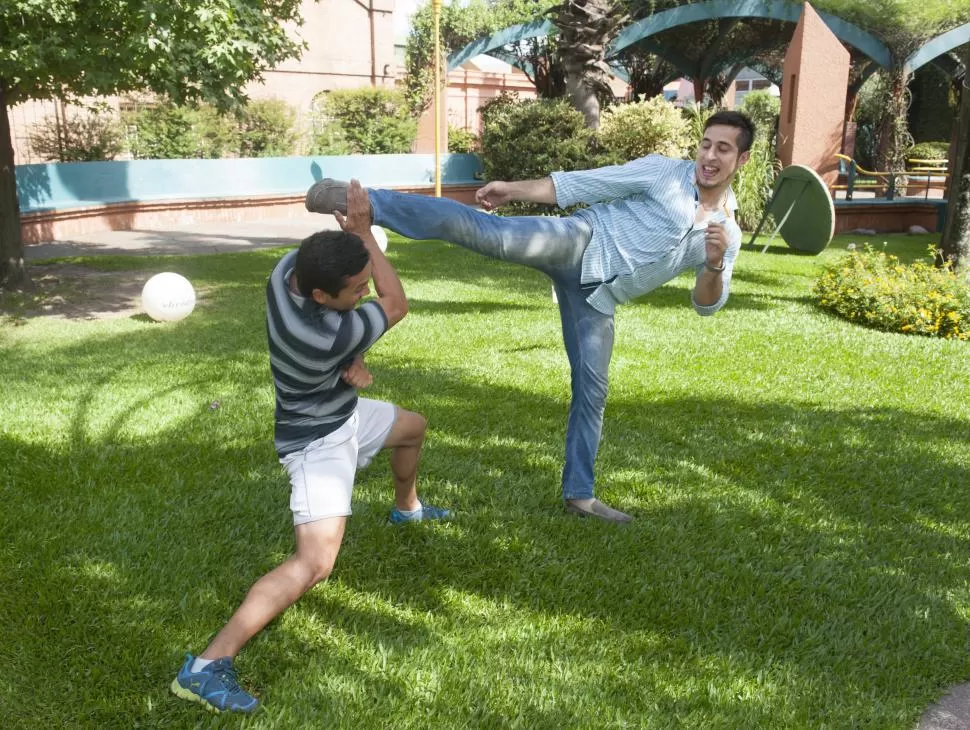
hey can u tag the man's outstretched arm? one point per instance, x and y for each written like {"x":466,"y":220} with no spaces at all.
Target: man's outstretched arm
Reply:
{"x":498,"y":193}
{"x":390,"y":291}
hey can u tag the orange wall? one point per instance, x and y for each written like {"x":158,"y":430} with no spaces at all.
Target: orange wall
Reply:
{"x":816,"y":77}
{"x":350,"y":44}
{"x":468,"y":89}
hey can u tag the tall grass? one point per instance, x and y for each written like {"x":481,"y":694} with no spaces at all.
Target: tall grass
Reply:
{"x":754,"y":183}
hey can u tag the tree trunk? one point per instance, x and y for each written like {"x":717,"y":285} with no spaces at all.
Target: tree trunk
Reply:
{"x":700,"y":89}
{"x":585,"y":30}
{"x":894,"y":136}
{"x":582,"y":96}
{"x":13,"y":275}
{"x":955,"y":246}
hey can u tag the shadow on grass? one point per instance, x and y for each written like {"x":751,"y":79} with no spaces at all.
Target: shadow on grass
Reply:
{"x":432,"y":308}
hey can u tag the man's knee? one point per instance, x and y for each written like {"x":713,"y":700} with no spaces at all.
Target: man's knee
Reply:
{"x":317,"y":566}
{"x":409,"y":430}
{"x":420,"y":426}
{"x":317,"y":545}
{"x":591,"y":386}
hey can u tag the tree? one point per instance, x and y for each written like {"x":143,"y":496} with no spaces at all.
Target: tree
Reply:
{"x":706,"y":51}
{"x":955,"y":246}
{"x":460,"y":24}
{"x":648,"y":73}
{"x":585,"y":29}
{"x":70,"y":49}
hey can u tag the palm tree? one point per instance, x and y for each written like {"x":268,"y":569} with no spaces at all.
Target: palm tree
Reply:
{"x":585,"y":29}
{"x":955,"y":247}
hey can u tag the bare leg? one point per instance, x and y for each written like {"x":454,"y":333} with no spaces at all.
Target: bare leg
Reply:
{"x":317,"y":545}
{"x":405,"y":441}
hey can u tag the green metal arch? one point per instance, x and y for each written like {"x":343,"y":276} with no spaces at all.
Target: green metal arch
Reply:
{"x":697,"y":12}
{"x":768,"y":9}
{"x":501,"y":39}
{"x":936,"y":47}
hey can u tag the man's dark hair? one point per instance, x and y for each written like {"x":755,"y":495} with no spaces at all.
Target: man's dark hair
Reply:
{"x":326,"y":259}
{"x":737,"y":120}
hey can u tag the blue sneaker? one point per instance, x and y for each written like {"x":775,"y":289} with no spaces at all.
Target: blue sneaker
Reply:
{"x":427,"y":512}
{"x":215,"y":687}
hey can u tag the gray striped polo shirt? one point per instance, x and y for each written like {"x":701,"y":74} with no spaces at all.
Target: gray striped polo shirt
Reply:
{"x":309,"y":345}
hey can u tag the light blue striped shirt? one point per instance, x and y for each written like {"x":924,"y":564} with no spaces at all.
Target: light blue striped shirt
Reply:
{"x":642,"y":217}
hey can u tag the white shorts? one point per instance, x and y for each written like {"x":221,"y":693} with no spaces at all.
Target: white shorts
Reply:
{"x":322,"y":474}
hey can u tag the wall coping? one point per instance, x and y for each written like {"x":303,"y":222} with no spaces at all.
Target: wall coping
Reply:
{"x":56,"y":186}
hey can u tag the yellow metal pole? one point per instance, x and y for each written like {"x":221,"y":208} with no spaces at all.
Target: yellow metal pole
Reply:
{"x":436,"y":7}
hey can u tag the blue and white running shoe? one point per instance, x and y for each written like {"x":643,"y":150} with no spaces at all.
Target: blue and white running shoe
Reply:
{"x":215,"y":687}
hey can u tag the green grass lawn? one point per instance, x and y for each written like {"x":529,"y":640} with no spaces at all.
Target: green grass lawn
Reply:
{"x":800,"y":556}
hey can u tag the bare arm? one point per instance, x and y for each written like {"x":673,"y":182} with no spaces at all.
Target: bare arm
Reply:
{"x":498,"y":193}
{"x":708,"y":287}
{"x":357,"y":374}
{"x":390,"y":291}
{"x":709,"y":284}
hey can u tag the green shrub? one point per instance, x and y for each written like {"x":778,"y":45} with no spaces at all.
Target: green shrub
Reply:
{"x":160,"y":132}
{"x":756,"y":179}
{"x":76,"y":138}
{"x":763,"y":109}
{"x":165,"y":131}
{"x":462,"y":140}
{"x":870,"y":111}
{"x":876,"y":290}
{"x":498,"y":104}
{"x":696,"y":116}
{"x":629,"y":131}
{"x":214,"y":134}
{"x":933,"y":107}
{"x":754,"y":183}
{"x":370,"y":121}
{"x":866,"y":144}
{"x":266,"y":129}
{"x":937,"y":150}
{"x":530,"y":139}
{"x":330,"y":139}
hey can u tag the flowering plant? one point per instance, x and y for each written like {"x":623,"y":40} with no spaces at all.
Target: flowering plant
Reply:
{"x":875,"y":289}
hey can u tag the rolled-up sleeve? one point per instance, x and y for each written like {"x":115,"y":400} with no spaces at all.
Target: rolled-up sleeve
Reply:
{"x":730,"y":256}
{"x":607,"y":183}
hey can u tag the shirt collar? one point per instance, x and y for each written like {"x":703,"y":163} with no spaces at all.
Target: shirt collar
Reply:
{"x":305,"y":304}
{"x":690,"y":174}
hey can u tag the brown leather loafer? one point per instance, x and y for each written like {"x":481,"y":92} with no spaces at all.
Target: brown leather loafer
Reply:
{"x":327,"y":196}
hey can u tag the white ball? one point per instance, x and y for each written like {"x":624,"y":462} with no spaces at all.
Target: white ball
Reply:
{"x":168,"y":297}
{"x":380,"y":235}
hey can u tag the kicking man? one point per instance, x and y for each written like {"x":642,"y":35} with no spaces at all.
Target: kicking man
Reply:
{"x":647,"y":221}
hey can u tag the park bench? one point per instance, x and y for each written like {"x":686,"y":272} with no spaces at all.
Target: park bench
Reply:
{"x":853,"y":178}
{"x":925,"y":175}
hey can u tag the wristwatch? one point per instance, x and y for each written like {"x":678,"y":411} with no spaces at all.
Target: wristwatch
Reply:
{"x":714,"y":269}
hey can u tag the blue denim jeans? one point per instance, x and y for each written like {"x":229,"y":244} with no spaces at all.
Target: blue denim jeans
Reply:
{"x":555,"y":247}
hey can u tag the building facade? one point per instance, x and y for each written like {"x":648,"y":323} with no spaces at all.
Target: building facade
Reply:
{"x":350,"y":44}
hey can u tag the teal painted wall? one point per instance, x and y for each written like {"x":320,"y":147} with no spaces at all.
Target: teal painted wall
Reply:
{"x":61,"y":185}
